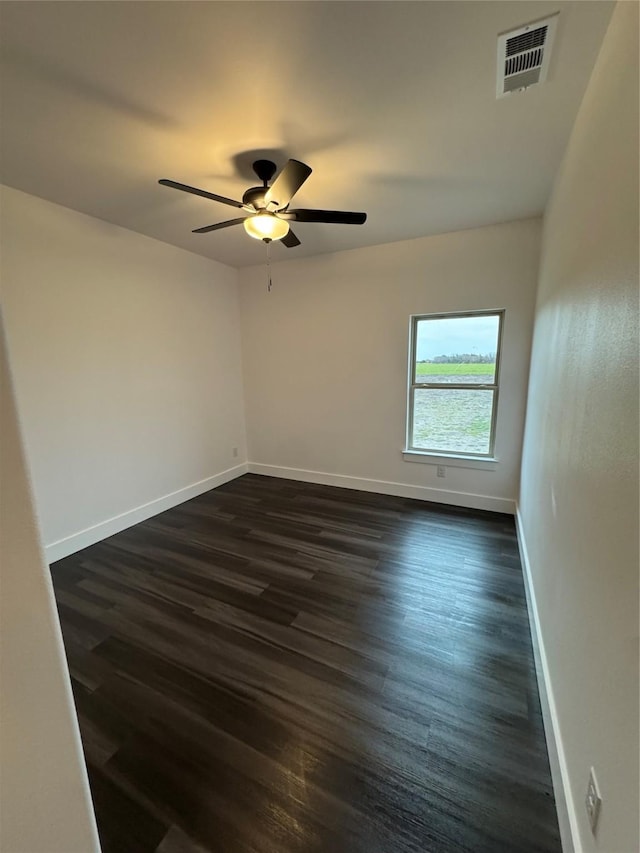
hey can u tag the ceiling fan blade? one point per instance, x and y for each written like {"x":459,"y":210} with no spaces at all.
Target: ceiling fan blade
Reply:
{"x":342,"y":217}
{"x":206,"y":228}
{"x":290,"y":240}
{"x":287,"y":184}
{"x":195,"y":191}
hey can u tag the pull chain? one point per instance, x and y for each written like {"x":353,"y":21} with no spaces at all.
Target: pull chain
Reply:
{"x":269,"y":283}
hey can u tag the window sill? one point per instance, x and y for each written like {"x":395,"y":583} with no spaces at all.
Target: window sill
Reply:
{"x":485,"y":464}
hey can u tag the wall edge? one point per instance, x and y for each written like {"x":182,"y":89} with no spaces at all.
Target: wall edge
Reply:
{"x":565,"y":805}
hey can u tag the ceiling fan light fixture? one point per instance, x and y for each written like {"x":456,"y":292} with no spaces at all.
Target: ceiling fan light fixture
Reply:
{"x":266,"y":226}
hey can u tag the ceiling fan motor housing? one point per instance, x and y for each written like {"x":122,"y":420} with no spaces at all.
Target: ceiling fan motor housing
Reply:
{"x":255,"y":196}
{"x":265,"y":170}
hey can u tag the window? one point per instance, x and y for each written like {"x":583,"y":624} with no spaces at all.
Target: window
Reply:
{"x":453,"y":383}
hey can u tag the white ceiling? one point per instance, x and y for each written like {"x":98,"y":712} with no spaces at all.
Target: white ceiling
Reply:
{"x":391,"y":103}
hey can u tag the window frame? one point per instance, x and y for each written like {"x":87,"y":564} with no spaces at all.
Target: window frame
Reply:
{"x":414,"y":319}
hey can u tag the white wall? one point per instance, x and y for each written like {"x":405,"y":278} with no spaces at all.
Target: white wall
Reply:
{"x":126,"y":354}
{"x":325,"y":358}
{"x":579,"y":498}
{"x":45,"y":803}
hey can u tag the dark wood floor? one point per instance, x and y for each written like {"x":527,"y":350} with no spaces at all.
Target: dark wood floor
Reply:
{"x":279,"y":667}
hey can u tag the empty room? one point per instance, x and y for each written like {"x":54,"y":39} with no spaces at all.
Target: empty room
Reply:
{"x":319,"y":510}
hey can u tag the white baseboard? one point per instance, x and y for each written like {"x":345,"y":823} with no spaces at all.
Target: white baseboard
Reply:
{"x":384,"y":487}
{"x":565,"y":805}
{"x":97,"y":532}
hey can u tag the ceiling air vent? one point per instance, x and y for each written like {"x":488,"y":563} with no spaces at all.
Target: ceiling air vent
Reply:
{"x":523,"y":56}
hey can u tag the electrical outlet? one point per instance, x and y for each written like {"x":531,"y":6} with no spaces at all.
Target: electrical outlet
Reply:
{"x":593,"y":801}
{"x":235,"y":452}
{"x":441,"y":471}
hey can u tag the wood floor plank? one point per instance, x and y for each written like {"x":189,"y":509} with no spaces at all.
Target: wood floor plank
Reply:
{"x":283,"y":667}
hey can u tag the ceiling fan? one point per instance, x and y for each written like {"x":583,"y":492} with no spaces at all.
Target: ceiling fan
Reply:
{"x":268,"y":206}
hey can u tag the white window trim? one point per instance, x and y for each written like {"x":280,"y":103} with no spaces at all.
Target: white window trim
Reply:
{"x":481,"y":463}
{"x":434,"y":457}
